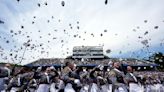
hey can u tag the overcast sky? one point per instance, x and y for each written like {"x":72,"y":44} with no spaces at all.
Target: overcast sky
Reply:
{"x":125,"y":27}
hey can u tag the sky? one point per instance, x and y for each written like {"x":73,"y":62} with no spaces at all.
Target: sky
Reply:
{"x":128,"y":28}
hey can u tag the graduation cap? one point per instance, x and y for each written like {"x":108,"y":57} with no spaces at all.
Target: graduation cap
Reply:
{"x":2,"y":22}
{"x":45,"y":3}
{"x":78,"y":27}
{"x":134,"y":30}
{"x":101,"y":34}
{"x":19,"y":32}
{"x":15,"y":33}
{"x":15,"y":56}
{"x":33,"y":22}
{"x":63,"y":3}
{"x":145,"y":21}
{"x":161,"y":44}
{"x":140,"y":37}
{"x":138,"y":27}
{"x":7,"y":41}
{"x":26,"y":44}
{"x":32,"y":47}
{"x":144,"y":42}
{"x":11,"y":54}
{"x":54,"y":38}
{"x":18,"y":0}
{"x":105,"y":30}
{"x":106,"y":2}
{"x":34,"y":17}
{"x":91,"y":34}
{"x":55,"y":30}
{"x":108,"y":51}
{"x":156,"y":27}
{"x":28,"y":36}
{"x":120,"y":52}
{"x":48,"y":21}
{"x":74,"y":36}
{"x":146,"y":33}
{"x":22,"y":27}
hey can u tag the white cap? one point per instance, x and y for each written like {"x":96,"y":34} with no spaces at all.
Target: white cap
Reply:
{"x":39,"y":69}
{"x":52,"y":67}
{"x":86,"y":88}
{"x":108,"y":70}
{"x":77,"y":81}
{"x":101,"y":67}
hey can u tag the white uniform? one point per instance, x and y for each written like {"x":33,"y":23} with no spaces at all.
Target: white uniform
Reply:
{"x":69,"y":88}
{"x":85,"y":88}
{"x":154,"y":88}
{"x":2,"y":84}
{"x":44,"y":87}
{"x":94,"y":88}
{"x":4,"y":74}
{"x":14,"y":89}
{"x":106,"y":88}
{"x":60,"y":85}
{"x":133,"y":87}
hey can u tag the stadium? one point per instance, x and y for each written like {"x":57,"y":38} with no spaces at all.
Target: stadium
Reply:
{"x":91,"y":56}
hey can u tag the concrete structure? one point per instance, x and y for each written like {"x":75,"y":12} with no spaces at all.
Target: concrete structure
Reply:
{"x":88,"y":52}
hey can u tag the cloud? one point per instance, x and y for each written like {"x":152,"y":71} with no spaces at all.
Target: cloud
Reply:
{"x":59,"y":28}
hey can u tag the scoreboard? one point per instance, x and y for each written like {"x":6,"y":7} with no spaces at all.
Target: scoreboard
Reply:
{"x":88,"y":52}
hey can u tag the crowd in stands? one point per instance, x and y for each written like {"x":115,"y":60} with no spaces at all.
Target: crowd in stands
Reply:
{"x":59,"y":61}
